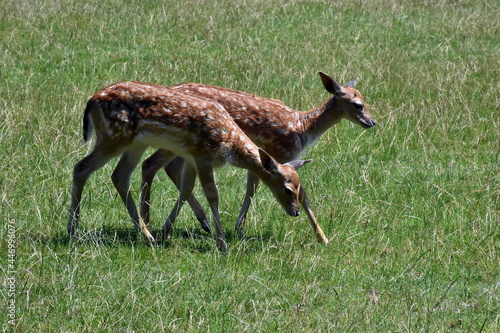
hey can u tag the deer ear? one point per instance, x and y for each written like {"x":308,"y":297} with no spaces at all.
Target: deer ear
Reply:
{"x":297,"y":164}
{"x":268,"y":162}
{"x":351,"y":83}
{"x":332,"y":86}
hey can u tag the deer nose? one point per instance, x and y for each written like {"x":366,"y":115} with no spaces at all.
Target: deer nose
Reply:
{"x":367,"y":123}
{"x":294,"y":212}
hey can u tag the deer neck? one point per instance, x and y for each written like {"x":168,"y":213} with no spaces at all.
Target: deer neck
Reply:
{"x":316,"y":122}
{"x":245,"y":154}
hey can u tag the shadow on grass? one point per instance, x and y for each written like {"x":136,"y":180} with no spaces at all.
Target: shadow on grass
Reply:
{"x":200,"y":240}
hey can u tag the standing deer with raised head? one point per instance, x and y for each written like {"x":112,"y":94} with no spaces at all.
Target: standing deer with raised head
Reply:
{"x":128,"y":117}
{"x":281,"y":131}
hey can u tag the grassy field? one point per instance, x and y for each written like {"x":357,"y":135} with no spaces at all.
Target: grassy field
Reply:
{"x":411,"y":207}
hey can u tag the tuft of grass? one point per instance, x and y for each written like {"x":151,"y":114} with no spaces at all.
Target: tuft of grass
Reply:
{"x":411,"y":207}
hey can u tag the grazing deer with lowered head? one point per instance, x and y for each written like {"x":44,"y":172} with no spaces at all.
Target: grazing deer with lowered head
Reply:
{"x":128,"y":117}
{"x":281,"y":131}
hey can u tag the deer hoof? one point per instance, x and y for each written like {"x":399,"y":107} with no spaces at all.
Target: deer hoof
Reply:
{"x":222,"y":245}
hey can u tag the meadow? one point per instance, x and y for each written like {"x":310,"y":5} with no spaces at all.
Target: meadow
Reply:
{"x":411,"y":207}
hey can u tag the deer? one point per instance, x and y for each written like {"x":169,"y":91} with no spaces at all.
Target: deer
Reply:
{"x":281,"y":131}
{"x":128,"y":117}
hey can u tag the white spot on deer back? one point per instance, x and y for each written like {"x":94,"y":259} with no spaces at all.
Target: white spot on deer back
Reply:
{"x":283,"y":131}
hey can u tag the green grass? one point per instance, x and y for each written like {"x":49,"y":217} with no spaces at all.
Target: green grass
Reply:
{"x":411,"y":207}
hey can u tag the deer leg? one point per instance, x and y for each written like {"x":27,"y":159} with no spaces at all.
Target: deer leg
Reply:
{"x":173,"y":170}
{"x":121,"y":179}
{"x":150,"y":168}
{"x":186,"y":188}
{"x":252,"y":183}
{"x":81,"y":173}
{"x":206,"y":175}
{"x":304,"y":200}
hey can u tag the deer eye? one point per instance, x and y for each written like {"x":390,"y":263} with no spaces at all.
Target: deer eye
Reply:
{"x":358,"y":105}
{"x":288,"y":190}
